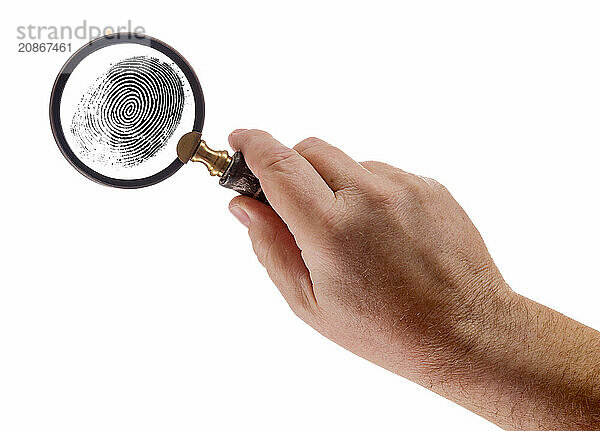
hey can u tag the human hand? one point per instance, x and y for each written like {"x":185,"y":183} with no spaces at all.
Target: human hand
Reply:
{"x":367,"y":254}
{"x":388,"y":265}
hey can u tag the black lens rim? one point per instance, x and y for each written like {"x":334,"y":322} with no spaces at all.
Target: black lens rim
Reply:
{"x":63,"y":77}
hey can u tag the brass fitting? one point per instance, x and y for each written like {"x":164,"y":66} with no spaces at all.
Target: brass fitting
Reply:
{"x":192,"y":147}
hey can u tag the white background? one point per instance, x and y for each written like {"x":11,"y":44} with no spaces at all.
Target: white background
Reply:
{"x":119,"y":310}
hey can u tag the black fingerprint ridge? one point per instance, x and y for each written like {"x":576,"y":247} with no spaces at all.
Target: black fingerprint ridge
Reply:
{"x":129,"y":114}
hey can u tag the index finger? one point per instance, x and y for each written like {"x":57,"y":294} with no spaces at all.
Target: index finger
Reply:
{"x":293,"y":187}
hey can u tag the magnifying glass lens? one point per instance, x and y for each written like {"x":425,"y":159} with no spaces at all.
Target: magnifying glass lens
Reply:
{"x":123,"y":110}
{"x":127,"y":111}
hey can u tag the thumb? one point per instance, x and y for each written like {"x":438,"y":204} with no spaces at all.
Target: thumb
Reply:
{"x":276,"y":249}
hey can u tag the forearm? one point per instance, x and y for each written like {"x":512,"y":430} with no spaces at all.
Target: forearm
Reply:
{"x":522,"y":366}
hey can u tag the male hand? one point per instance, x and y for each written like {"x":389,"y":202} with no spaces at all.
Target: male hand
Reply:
{"x":388,"y":265}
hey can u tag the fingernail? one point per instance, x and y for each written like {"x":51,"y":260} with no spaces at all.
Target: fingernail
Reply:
{"x":238,"y":131}
{"x":240,"y":214}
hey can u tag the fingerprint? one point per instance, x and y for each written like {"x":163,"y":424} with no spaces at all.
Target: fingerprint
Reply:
{"x":129,"y":114}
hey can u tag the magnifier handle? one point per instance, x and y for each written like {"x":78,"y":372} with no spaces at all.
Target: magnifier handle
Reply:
{"x":240,"y":178}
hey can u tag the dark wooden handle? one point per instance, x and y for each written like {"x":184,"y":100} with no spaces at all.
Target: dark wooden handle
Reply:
{"x":240,"y":178}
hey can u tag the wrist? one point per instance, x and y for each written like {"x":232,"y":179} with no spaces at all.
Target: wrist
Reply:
{"x":519,"y":359}
{"x":480,"y":335}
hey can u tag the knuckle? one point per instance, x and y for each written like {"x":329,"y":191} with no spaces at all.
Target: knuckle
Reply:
{"x":335,"y":220}
{"x":406,"y":189}
{"x":414,"y":187}
{"x":306,"y":303}
{"x":435,"y":185}
{"x":252,"y":136}
{"x":384,"y":169}
{"x":277,"y":161}
{"x":301,"y":309}
{"x":309,"y":144}
{"x":374,"y":164}
{"x":377,"y":193}
{"x":263,"y":246}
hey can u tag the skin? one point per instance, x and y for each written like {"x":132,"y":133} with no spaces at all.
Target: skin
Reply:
{"x":389,"y":266}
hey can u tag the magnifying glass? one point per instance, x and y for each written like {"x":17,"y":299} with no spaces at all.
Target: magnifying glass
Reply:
{"x":127,"y":111}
